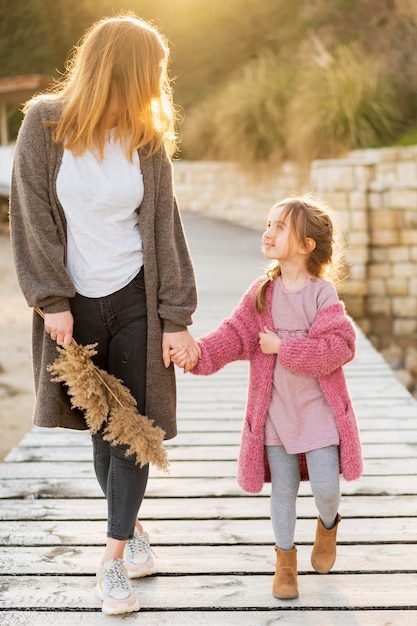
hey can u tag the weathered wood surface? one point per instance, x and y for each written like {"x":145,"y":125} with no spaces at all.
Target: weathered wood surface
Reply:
{"x":213,"y":542}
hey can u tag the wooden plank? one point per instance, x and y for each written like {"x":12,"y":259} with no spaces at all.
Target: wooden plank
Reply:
{"x":171,"y":487}
{"x":243,"y":507}
{"x":217,"y":592}
{"x":189,"y":560}
{"x":233,"y":617}
{"x":211,"y":437}
{"x":55,"y":454}
{"x":183,"y":469}
{"x":205,"y":532}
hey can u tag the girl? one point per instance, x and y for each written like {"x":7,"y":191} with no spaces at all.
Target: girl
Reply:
{"x":99,"y":246}
{"x":299,"y":423}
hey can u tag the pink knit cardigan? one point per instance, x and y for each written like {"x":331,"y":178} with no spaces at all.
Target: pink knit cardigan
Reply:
{"x":329,"y":345}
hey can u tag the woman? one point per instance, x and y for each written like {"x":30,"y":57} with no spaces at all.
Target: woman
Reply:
{"x":98,"y":244}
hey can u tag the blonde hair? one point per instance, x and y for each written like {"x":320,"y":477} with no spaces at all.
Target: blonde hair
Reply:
{"x":123,"y":57}
{"x":309,"y":219}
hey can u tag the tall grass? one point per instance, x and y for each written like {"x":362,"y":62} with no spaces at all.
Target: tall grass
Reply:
{"x":346,"y":104}
{"x":275,"y":109}
{"x":245,"y":121}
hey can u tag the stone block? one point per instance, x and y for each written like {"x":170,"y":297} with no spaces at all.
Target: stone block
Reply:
{"x":354,"y":288}
{"x":363,"y":323}
{"x":355,"y":306}
{"x":379,"y":270}
{"x":405,"y":327}
{"x":385,"y":238}
{"x":410,"y":219}
{"x":408,"y":237}
{"x":398,"y":254}
{"x":413,"y":253}
{"x":380,"y":331}
{"x":357,"y":238}
{"x":402,"y":199}
{"x":358,"y":200}
{"x":385,"y":219}
{"x":397,"y":287}
{"x":362,"y":176}
{"x":406,"y":170}
{"x":357,"y":272}
{"x":412,"y":288}
{"x":376,"y":288}
{"x":339,"y":177}
{"x":376,"y":200}
{"x":357,"y":220}
{"x":378,"y":305}
{"x":385,"y":172}
{"x":378,"y":254}
{"x":403,"y":270}
{"x":404,"y":307}
{"x":355,"y":254}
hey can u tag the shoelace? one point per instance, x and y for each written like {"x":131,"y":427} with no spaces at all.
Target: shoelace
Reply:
{"x":116,"y":576}
{"x":140,"y":544}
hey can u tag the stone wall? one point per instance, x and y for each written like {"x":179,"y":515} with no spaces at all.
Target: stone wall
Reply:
{"x":375,"y":194}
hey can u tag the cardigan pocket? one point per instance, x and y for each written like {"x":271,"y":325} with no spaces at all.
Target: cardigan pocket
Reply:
{"x":251,"y":465}
{"x":350,"y":445}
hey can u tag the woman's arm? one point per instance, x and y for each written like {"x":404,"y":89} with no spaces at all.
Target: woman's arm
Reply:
{"x":177,"y":292}
{"x":37,"y":237}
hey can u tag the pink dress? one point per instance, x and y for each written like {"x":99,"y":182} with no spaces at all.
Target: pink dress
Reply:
{"x":299,"y":416}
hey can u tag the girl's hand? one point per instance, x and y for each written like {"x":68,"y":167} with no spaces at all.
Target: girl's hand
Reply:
{"x":269,"y":342}
{"x":181,"y":339}
{"x":179,"y":356}
{"x":59,"y":326}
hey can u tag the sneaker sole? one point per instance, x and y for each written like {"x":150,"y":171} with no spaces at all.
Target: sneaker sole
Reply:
{"x":147,"y":572}
{"x":122,"y":608}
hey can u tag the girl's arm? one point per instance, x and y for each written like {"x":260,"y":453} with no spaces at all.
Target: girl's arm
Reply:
{"x":235,"y":339}
{"x":330,"y":345}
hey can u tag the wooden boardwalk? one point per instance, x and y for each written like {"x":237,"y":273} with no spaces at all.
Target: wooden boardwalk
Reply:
{"x":213,"y":543}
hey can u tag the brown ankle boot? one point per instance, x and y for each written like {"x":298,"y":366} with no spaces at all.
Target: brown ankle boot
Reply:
{"x":285,"y":585}
{"x":324,"y":550}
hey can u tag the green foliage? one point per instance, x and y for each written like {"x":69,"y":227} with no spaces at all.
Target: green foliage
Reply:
{"x":344,"y":104}
{"x":409,"y":138}
{"x":246,"y":120}
{"x":37,"y":35}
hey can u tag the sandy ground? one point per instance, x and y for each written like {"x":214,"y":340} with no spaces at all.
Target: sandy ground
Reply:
{"x":16,"y":388}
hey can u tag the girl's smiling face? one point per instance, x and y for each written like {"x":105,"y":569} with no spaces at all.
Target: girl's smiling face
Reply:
{"x":277,"y":240}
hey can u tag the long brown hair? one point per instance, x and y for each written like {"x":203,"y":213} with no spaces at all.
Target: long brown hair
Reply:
{"x":309,"y":219}
{"x":126,"y":57}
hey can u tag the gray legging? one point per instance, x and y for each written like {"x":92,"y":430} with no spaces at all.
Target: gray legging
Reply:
{"x":323,"y":470}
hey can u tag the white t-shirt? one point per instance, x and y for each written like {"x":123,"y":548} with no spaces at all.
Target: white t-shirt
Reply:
{"x":99,"y":199}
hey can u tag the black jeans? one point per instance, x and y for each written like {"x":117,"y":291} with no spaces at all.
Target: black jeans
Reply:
{"x":118,"y":324}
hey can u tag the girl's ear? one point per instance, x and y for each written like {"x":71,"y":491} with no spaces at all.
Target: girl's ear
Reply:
{"x":308,"y":247}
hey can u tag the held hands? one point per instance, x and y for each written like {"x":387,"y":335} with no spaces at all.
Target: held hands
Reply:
{"x":180,"y":348}
{"x":269,"y":342}
{"x":59,"y":326}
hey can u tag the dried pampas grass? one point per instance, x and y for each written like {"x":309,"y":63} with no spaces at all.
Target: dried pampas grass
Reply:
{"x":104,"y":399}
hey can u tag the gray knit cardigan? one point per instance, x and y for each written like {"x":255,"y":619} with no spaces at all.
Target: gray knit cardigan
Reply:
{"x":38,"y":237}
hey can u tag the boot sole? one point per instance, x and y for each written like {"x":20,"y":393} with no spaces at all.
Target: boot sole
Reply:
{"x":282,"y":597}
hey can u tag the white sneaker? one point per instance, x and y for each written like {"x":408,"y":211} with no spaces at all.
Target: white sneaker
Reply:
{"x":114,"y":589}
{"x":138,"y":558}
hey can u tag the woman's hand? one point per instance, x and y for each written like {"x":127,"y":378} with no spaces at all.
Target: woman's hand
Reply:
{"x":60,"y":326}
{"x":181,"y":339}
{"x":179,"y":356}
{"x":269,"y":341}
